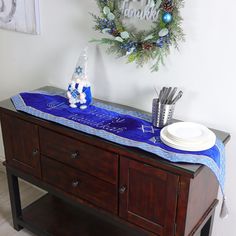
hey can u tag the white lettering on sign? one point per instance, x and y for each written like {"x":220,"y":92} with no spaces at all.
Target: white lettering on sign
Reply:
{"x":141,"y":9}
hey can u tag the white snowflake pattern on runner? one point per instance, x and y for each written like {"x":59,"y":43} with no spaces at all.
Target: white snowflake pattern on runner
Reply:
{"x":153,"y":140}
{"x":148,"y":129}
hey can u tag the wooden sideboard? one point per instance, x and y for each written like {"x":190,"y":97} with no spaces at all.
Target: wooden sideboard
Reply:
{"x":95,"y":187}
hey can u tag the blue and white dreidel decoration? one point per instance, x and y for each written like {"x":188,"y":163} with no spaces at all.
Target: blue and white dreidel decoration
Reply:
{"x":79,"y":89}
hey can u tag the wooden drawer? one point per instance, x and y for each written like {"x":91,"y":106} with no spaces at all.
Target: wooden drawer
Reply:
{"x":97,"y":192}
{"x":92,"y":160}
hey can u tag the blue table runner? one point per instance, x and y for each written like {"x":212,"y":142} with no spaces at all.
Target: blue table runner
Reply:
{"x":126,"y":127}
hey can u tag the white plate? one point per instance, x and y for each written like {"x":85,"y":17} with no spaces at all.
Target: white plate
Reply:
{"x":188,"y":132}
{"x":188,"y":146}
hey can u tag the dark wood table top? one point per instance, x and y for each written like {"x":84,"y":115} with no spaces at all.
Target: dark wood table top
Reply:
{"x":191,"y":168}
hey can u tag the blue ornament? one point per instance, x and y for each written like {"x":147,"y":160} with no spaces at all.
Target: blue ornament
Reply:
{"x":105,"y":24}
{"x":167,"y":39}
{"x":129,"y":46}
{"x":167,"y":17}
{"x":160,"y":42}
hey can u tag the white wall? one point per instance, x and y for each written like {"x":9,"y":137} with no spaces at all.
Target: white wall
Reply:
{"x":204,"y":69}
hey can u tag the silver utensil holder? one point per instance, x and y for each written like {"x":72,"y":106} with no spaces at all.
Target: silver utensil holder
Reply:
{"x":161,"y":113}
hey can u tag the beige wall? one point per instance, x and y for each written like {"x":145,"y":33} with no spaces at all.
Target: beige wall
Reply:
{"x":204,"y":69}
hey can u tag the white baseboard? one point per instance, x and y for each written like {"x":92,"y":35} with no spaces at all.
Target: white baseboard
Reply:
{"x":2,"y":168}
{"x":2,"y":158}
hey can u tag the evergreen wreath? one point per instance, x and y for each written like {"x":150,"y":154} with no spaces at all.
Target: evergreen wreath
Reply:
{"x":143,"y":46}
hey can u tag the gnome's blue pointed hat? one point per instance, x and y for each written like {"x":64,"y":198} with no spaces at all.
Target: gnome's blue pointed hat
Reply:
{"x":79,"y":89}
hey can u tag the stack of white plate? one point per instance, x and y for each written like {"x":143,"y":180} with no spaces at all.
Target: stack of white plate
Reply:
{"x":188,"y":136}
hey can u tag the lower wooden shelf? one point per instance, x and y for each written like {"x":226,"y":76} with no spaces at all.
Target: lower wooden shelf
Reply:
{"x":52,"y":216}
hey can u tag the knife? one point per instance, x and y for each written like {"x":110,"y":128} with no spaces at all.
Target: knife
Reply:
{"x":172,"y":94}
{"x":178,"y":96}
{"x":167,"y":95}
{"x":155,"y":90}
{"x":162,"y":94}
{"x":164,"y":89}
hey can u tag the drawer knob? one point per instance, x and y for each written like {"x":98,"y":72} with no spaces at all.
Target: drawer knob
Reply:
{"x":75,"y":184}
{"x":35,"y":152}
{"x":123,"y":189}
{"x":75,"y":155}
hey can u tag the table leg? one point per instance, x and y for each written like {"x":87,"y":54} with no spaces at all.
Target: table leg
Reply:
{"x":14,"y":193}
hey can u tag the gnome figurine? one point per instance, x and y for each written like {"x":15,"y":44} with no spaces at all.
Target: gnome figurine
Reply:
{"x":79,"y":90}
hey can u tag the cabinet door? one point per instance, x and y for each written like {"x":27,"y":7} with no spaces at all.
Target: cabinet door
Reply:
{"x":21,"y":144}
{"x":148,"y":197}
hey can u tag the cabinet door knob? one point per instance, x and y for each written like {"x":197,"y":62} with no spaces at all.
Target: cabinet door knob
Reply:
{"x":75,"y":184}
{"x":75,"y":155}
{"x":35,"y":152}
{"x":123,"y":189}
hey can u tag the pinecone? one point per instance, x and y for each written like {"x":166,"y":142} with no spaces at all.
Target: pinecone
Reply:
{"x":168,"y":6}
{"x":115,"y":33}
{"x":147,"y":46}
